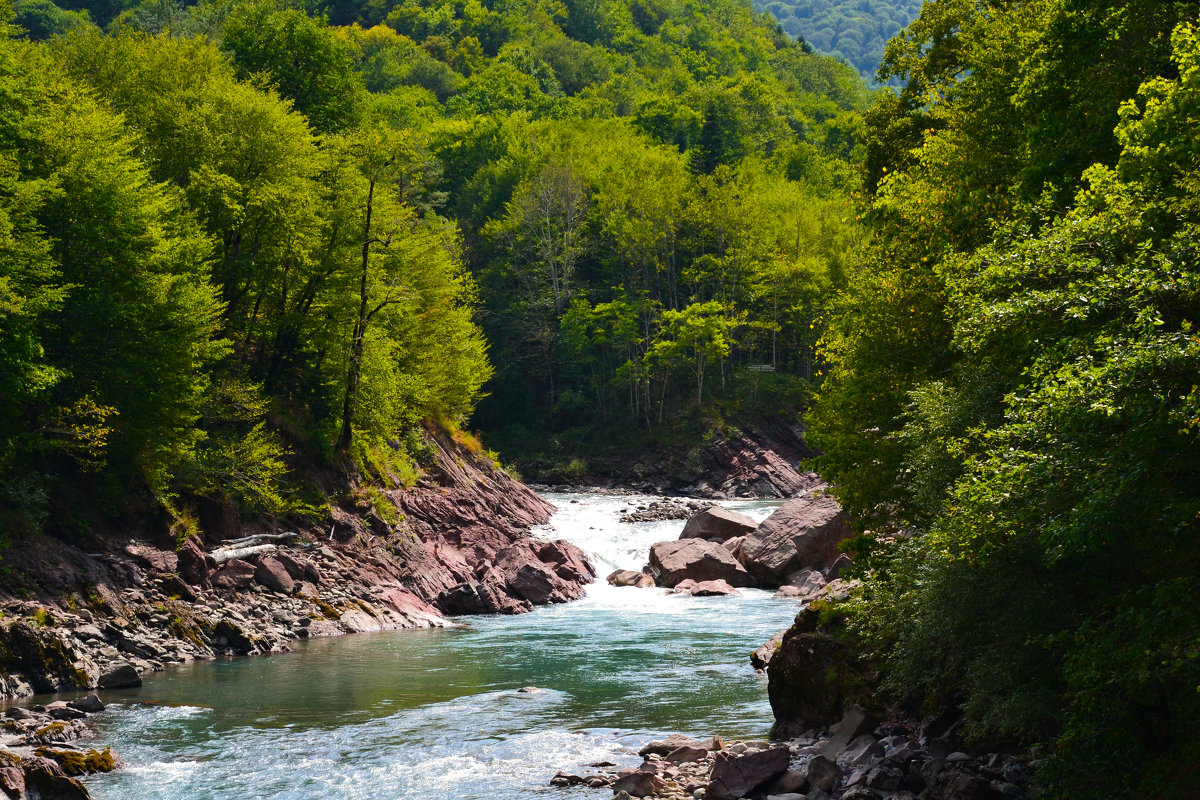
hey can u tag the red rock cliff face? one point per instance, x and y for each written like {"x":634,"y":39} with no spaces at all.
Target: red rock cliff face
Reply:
{"x":463,"y":541}
{"x":473,"y":522}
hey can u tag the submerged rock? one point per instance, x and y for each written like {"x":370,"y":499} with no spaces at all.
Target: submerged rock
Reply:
{"x":717,"y":588}
{"x":629,"y":577}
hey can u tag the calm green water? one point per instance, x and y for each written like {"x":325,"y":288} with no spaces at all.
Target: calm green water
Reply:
{"x":435,"y":714}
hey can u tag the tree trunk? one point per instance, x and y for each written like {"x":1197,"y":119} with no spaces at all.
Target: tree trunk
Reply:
{"x":354,"y":369}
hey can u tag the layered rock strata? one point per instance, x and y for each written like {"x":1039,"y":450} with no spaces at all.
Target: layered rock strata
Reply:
{"x":459,"y":542}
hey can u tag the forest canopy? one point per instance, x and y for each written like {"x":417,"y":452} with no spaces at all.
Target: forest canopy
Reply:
{"x":1012,"y":393}
{"x":855,"y":31}
{"x":323,"y":225}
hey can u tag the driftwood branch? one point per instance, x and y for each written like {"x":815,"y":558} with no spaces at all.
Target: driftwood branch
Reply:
{"x":218,"y":557}
{"x":259,"y":538}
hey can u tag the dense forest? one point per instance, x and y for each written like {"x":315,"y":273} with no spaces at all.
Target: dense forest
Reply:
{"x":1013,"y":378}
{"x":239,"y":239}
{"x":855,"y":31}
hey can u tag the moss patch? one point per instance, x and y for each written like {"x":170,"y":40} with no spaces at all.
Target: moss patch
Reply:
{"x":80,"y":762}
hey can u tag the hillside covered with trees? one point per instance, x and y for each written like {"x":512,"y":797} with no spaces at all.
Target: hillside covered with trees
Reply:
{"x":244,"y":238}
{"x":1013,"y":385}
{"x":853,"y":30}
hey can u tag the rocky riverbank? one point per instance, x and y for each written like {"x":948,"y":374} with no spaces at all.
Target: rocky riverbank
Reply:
{"x":858,"y":758}
{"x":827,"y":747}
{"x":459,"y":542}
{"x":43,"y":750}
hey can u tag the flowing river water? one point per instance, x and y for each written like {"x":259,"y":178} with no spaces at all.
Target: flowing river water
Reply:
{"x":435,"y":714}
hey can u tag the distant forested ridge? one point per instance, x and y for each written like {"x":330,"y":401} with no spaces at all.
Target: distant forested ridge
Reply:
{"x":245,"y":236}
{"x":854,"y":30}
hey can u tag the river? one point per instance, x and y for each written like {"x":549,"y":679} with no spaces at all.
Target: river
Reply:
{"x":436,"y":714}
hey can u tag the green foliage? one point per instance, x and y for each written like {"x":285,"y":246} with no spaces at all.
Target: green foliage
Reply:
{"x":228,"y":255}
{"x":854,"y":31}
{"x":42,"y":19}
{"x":300,"y":57}
{"x":1014,"y":383}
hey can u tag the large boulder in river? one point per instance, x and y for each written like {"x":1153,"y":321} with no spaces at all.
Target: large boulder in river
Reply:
{"x":717,"y":524}
{"x":802,"y":534}
{"x":697,"y":559}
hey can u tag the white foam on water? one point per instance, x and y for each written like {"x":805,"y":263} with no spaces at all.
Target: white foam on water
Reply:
{"x":617,"y":667}
{"x":593,"y":524}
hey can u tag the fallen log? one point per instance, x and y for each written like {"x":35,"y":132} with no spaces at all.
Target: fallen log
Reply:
{"x":218,"y":557}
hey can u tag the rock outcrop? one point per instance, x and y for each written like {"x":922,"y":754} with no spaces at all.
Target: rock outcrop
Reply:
{"x":762,"y":460}
{"x":802,"y":534}
{"x":815,"y":674}
{"x":459,"y":542}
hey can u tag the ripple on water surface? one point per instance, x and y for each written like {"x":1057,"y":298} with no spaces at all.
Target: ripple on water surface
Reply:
{"x":435,"y":714}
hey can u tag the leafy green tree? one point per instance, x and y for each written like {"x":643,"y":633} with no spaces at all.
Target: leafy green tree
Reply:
{"x":42,"y":19}
{"x":299,"y":56}
{"x":1014,"y":385}
{"x":691,"y":338}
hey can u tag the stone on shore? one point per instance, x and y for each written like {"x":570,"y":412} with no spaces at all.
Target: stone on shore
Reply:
{"x":717,"y":524}
{"x":802,"y":534}
{"x":822,"y":773}
{"x":697,"y":559}
{"x":234,"y":574}
{"x":638,"y":784}
{"x":272,"y":574}
{"x":88,"y":705}
{"x":686,"y":753}
{"x":44,"y":778}
{"x":857,"y":722}
{"x":734,"y":776}
{"x":662,"y":747}
{"x":193,"y":567}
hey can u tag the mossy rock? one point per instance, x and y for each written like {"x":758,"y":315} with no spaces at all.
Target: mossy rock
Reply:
{"x":816,"y":674}
{"x":80,"y":762}
{"x":186,"y":629}
{"x":53,"y":732}
{"x":44,"y":659}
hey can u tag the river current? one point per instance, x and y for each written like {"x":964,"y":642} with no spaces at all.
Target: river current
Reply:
{"x":436,"y":714}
